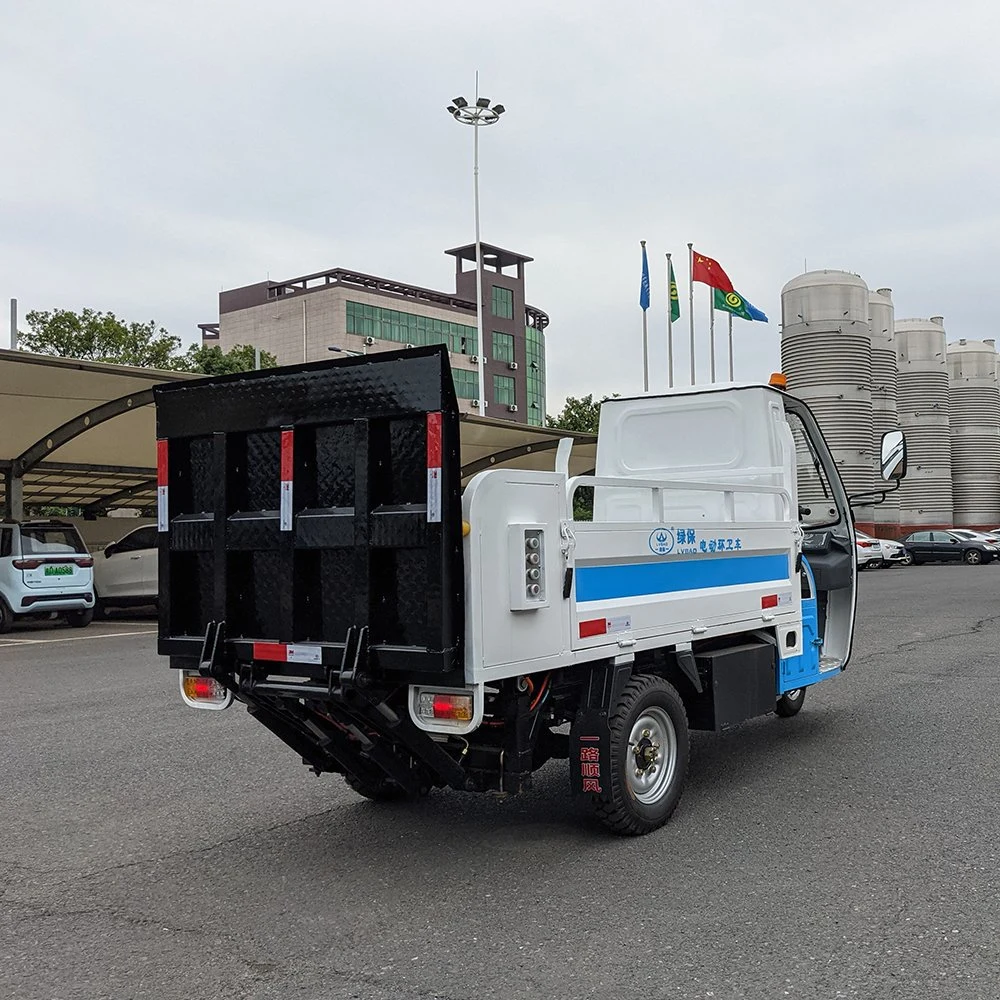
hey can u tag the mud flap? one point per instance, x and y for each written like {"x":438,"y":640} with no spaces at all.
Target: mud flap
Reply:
{"x":590,"y":735}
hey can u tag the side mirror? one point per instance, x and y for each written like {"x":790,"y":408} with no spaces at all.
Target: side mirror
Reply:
{"x":109,"y":550}
{"x":893,"y":460}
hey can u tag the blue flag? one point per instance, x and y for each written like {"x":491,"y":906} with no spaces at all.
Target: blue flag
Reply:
{"x":755,"y":313}
{"x":644,"y":286}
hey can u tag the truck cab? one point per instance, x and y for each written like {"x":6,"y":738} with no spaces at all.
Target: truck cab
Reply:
{"x":329,"y":559}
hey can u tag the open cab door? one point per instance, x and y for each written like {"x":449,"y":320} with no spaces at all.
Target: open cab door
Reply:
{"x":829,"y":569}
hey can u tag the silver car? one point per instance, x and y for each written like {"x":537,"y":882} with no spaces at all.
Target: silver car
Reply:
{"x":45,"y":571}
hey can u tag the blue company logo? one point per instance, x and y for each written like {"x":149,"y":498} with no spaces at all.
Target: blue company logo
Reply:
{"x":661,"y":541}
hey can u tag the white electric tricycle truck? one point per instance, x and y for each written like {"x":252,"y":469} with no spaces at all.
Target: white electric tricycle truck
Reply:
{"x":325,"y":559}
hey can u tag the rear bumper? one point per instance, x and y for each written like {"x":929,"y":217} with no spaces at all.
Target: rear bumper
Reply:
{"x":42,"y":603}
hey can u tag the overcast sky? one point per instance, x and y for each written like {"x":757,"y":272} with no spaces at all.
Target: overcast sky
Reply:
{"x":157,"y":152}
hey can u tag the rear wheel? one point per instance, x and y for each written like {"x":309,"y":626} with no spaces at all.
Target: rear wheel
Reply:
{"x":790,"y":703}
{"x":973,"y":557}
{"x":649,"y":757}
{"x":100,"y":610}
{"x":80,"y":619}
{"x":6,"y":617}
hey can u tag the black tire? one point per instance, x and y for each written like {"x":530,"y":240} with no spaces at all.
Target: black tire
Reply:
{"x":100,"y":610}
{"x":381,"y":790}
{"x":973,"y":557}
{"x":6,"y":617}
{"x":619,"y":807}
{"x":790,"y":703}
{"x":80,"y":619}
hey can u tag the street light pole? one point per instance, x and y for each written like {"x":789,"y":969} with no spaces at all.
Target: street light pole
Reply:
{"x":477,"y":115}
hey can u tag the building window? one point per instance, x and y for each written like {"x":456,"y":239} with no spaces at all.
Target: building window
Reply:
{"x":534,"y":344}
{"x":466,"y":383}
{"x":410,"y":328}
{"x":503,"y":346}
{"x":503,"y":302}
{"x":503,"y":390}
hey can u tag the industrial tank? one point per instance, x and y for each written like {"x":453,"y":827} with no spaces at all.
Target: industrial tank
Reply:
{"x":925,"y":495}
{"x":881,"y":320}
{"x":974,"y":414}
{"x":826,"y":355}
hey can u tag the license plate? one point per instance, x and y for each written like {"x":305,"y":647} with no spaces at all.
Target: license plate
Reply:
{"x":58,"y":570}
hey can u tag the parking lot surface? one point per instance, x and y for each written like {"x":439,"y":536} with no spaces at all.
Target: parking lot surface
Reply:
{"x":149,"y":850}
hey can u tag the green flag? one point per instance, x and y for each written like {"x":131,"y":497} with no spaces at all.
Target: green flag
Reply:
{"x":675,"y":302}
{"x":731,"y":302}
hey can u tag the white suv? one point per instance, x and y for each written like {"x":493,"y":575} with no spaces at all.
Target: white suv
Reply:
{"x":45,"y":570}
{"x":126,"y":572}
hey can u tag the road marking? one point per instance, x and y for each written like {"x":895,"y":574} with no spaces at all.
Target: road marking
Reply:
{"x":75,"y":638}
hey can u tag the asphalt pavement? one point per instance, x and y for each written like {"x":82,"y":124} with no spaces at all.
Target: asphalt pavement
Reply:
{"x":150,"y":850}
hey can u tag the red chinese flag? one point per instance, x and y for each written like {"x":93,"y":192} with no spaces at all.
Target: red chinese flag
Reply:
{"x":710,"y":272}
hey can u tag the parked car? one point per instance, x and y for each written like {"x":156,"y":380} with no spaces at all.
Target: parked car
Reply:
{"x":45,"y":571}
{"x":893,"y":552}
{"x":948,"y":546}
{"x":869,"y":551}
{"x":988,"y":537}
{"x":126,"y":572}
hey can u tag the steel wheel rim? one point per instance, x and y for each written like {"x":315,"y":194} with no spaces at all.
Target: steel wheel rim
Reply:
{"x":650,"y":772}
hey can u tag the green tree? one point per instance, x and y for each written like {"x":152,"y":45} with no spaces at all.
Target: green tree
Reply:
{"x":100,"y":336}
{"x":581,"y":414}
{"x":212,"y":361}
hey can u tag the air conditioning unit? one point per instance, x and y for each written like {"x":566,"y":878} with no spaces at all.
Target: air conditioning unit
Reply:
{"x":513,"y":366}
{"x":512,"y":408}
{"x":474,"y":359}
{"x":475,"y":403}
{"x":410,"y":347}
{"x":369,"y":341}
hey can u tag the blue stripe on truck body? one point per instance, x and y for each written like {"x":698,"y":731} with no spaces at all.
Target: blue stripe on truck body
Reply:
{"x":609,"y":583}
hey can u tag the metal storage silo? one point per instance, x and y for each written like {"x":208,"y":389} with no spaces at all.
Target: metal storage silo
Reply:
{"x":925,"y":495}
{"x":881,"y":319}
{"x":826,"y":355}
{"x":974,"y":414}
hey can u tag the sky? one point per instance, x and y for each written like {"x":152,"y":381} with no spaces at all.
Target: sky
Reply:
{"x":158,"y":152}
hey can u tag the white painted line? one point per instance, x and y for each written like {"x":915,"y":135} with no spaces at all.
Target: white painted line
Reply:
{"x":75,"y":638}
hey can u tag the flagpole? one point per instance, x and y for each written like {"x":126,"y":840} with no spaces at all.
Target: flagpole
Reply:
{"x":645,"y":340}
{"x":711,"y":329}
{"x":691,"y":303}
{"x":670,"y":329}
{"x":730,"y":347}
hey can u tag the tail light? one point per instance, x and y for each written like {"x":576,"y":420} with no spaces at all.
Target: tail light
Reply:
{"x":84,"y":562}
{"x":452,"y":707}
{"x":444,"y":710}
{"x":27,"y":563}
{"x":204,"y":692}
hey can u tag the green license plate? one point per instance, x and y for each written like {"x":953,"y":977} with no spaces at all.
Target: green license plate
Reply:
{"x":58,"y":570}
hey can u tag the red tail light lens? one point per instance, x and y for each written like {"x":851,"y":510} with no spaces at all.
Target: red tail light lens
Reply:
{"x":27,"y":563}
{"x":85,"y":563}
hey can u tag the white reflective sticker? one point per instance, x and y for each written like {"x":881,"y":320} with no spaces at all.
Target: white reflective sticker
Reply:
{"x":162,"y":516}
{"x":286,"y":505}
{"x":434,"y":495}
{"x":304,"y":654}
{"x":785,"y":598}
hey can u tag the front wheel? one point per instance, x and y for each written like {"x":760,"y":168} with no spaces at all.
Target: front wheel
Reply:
{"x":790,"y":703}
{"x":973,"y":557}
{"x":80,"y":619}
{"x":906,"y":560}
{"x":649,"y":757}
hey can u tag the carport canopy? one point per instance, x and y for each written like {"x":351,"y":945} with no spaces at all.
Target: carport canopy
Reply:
{"x":82,"y":434}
